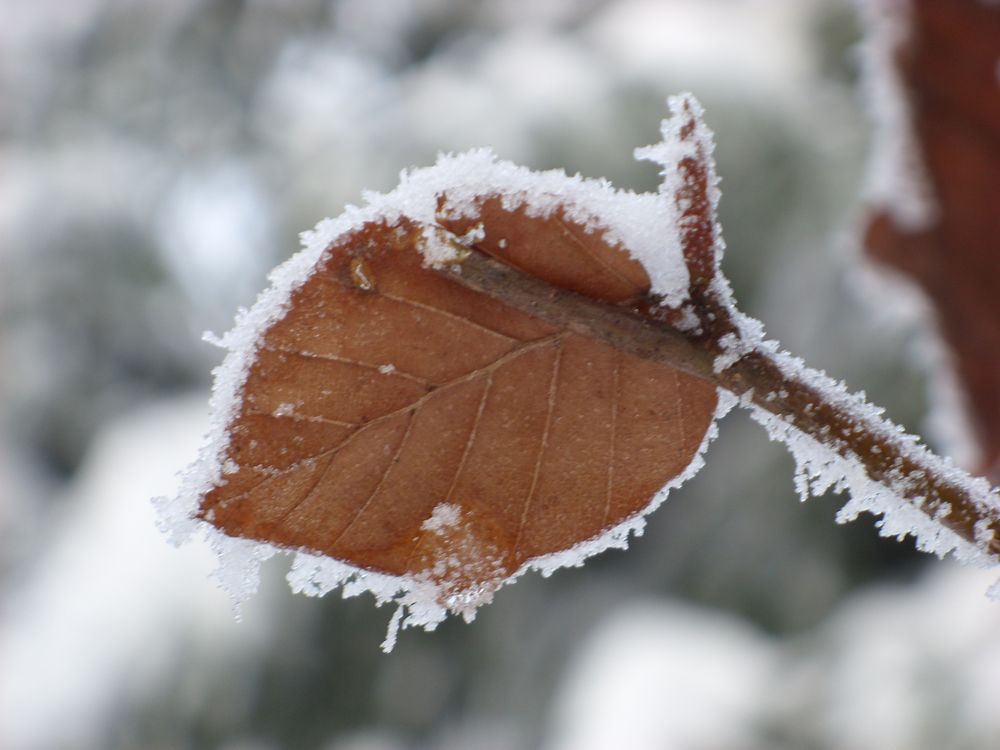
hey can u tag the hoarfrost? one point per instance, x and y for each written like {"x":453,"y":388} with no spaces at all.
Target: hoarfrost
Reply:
{"x":737,"y":345}
{"x":820,"y":468}
{"x":239,"y":570}
{"x":685,"y":136}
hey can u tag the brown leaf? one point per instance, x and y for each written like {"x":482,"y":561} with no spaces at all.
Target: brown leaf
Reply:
{"x":401,"y":423}
{"x":472,"y":376}
{"x":949,"y":69}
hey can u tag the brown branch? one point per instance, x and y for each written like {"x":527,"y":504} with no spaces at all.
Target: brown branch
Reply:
{"x":885,"y":453}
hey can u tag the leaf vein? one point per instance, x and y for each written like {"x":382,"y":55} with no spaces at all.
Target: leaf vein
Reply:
{"x":301,"y":418}
{"x":447,"y":314}
{"x":470,"y":439}
{"x":615,"y":387}
{"x":381,"y":482}
{"x":424,"y":306}
{"x":678,"y":398}
{"x":524,"y":348}
{"x":395,"y":372}
{"x":543,"y":445}
{"x":305,"y":498}
{"x":596,"y":257}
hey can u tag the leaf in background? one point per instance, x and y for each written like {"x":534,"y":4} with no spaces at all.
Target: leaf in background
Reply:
{"x":945,"y":54}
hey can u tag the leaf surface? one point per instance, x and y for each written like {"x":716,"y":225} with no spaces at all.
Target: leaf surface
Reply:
{"x":396,"y":421}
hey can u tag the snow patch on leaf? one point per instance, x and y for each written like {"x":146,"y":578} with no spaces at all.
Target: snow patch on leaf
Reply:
{"x":443,"y":516}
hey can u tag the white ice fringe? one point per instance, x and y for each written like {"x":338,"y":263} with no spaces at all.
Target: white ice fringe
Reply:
{"x":819,"y":468}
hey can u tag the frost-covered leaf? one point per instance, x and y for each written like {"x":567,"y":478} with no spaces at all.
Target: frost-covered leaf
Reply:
{"x":396,"y":421}
{"x":430,"y":442}
{"x":932,"y":72}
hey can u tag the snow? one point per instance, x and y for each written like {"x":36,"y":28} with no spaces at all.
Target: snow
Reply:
{"x":284,"y":409}
{"x":443,"y":516}
{"x":676,"y":145}
{"x":911,"y":667}
{"x":663,"y":675}
{"x":106,"y":609}
{"x":711,"y":44}
{"x":698,"y":143}
{"x":416,"y":600}
{"x":639,"y":223}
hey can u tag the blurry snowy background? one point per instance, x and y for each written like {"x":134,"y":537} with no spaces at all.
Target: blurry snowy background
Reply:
{"x":157,"y":158}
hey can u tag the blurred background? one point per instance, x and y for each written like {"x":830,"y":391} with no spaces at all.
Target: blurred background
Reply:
{"x":158,"y":158}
